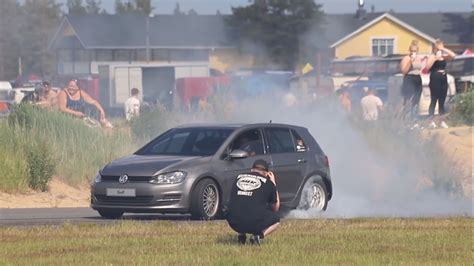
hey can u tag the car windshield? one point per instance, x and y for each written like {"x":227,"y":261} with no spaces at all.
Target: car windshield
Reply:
{"x":187,"y":141}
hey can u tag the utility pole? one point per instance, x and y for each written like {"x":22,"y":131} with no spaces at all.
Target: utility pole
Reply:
{"x":19,"y":66}
{"x":318,"y":70}
{"x":147,"y":40}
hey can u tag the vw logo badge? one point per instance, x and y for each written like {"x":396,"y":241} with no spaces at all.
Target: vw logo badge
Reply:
{"x":123,"y":179}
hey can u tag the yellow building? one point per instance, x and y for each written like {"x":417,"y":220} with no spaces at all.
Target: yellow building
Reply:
{"x":382,"y":36}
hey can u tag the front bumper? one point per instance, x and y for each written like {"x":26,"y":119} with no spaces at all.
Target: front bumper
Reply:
{"x":148,"y":197}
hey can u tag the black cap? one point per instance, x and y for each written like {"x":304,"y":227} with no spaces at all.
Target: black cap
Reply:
{"x":260,"y":164}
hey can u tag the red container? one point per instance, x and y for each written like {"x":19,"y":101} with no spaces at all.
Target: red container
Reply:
{"x":198,"y":87}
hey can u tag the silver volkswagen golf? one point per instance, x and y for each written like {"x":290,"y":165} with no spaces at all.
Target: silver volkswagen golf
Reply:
{"x":190,"y":169}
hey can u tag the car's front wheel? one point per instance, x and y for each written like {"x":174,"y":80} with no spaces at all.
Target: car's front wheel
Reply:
{"x":205,"y":200}
{"x":314,"y":195}
{"x":110,"y":214}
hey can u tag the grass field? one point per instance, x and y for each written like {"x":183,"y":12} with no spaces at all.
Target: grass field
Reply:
{"x":298,"y":242}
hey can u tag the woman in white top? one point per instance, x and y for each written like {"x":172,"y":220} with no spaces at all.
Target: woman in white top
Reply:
{"x":411,"y":66}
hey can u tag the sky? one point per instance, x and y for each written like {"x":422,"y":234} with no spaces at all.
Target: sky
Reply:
{"x":329,"y":6}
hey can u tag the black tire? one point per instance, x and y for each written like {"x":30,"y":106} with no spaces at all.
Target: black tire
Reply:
{"x":205,"y":200}
{"x":110,"y":214}
{"x":314,"y":195}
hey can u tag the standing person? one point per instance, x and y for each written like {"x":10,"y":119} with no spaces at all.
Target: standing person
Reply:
{"x":254,"y":203}
{"x":48,"y":98}
{"x":371,"y":105}
{"x":72,"y":100}
{"x":132,"y":105}
{"x":411,"y":66}
{"x":438,"y":80}
{"x":345,"y":99}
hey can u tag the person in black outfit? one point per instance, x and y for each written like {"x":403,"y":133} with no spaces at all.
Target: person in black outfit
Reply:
{"x":410,"y":66}
{"x":438,"y":80}
{"x":254,"y":203}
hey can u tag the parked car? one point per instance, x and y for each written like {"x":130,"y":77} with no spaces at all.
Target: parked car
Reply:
{"x":7,"y":96}
{"x":190,"y":169}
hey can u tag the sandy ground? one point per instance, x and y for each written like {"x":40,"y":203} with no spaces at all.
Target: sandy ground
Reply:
{"x":457,"y":146}
{"x":58,"y":195}
{"x":456,"y":143}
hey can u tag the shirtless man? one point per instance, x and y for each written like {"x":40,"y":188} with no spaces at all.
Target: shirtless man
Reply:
{"x":48,"y":98}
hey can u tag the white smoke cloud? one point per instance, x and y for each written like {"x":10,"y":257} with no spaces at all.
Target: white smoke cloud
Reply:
{"x":367,"y":181}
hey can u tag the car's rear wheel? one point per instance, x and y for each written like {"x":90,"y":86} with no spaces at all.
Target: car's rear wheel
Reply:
{"x":314,"y":195}
{"x":110,"y":214}
{"x":205,"y":200}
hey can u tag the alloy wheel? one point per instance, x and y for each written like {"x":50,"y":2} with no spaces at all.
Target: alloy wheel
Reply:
{"x":316,"y":196}
{"x":210,"y":200}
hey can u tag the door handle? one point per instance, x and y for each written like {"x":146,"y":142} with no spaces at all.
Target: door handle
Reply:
{"x":301,"y":160}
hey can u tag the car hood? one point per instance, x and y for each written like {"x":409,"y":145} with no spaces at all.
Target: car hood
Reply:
{"x":142,"y":165}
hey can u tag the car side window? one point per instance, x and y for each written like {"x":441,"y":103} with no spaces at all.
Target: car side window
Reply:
{"x":299,"y":142}
{"x":250,"y":141}
{"x":280,"y":140}
{"x":172,"y":144}
{"x":207,"y":141}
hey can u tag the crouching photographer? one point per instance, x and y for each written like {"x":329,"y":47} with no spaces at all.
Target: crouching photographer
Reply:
{"x":254,"y":204}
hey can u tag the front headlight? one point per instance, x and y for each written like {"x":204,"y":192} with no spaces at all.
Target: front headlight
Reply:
{"x":98,"y":178}
{"x":169,"y":178}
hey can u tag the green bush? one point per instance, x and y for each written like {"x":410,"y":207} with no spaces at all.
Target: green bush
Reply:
{"x":41,"y":165}
{"x":79,"y":151}
{"x":153,"y":122}
{"x":464,"y":107}
{"x":23,"y":115}
{"x":149,"y":124}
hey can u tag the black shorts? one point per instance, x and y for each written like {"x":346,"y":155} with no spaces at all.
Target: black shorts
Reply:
{"x":255,"y":227}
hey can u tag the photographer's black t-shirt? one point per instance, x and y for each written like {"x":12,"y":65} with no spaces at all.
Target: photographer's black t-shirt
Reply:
{"x":250,"y":198}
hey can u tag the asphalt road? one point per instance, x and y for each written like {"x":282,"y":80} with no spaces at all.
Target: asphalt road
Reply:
{"x":55,"y":216}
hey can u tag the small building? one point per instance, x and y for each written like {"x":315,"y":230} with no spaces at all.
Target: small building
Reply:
{"x":384,"y":34}
{"x":121,"y":52}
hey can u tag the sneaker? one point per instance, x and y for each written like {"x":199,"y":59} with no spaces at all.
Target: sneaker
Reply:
{"x":256,"y":240}
{"x":241,"y":239}
{"x":443,"y":124}
{"x":433,"y":125}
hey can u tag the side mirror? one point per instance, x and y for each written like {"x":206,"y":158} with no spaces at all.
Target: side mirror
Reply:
{"x":238,"y":154}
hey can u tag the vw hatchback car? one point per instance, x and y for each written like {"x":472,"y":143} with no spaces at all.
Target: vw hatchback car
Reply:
{"x":191,"y":169}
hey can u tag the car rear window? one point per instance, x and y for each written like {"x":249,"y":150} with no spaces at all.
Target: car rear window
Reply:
{"x":299,"y":142}
{"x":280,"y":140}
{"x":187,"y":141}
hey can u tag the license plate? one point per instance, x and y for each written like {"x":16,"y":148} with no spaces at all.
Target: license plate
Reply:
{"x":121,"y":192}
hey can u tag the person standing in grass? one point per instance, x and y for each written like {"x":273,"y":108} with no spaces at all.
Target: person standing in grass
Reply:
{"x":371,"y":105}
{"x":345,"y":99}
{"x":132,"y":105}
{"x":254,"y":203}
{"x":411,"y":66}
{"x":438,"y":80}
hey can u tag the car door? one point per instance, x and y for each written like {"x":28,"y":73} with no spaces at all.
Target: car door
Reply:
{"x":250,"y":140}
{"x":288,"y":160}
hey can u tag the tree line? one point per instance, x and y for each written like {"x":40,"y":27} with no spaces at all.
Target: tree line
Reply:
{"x":276,"y":26}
